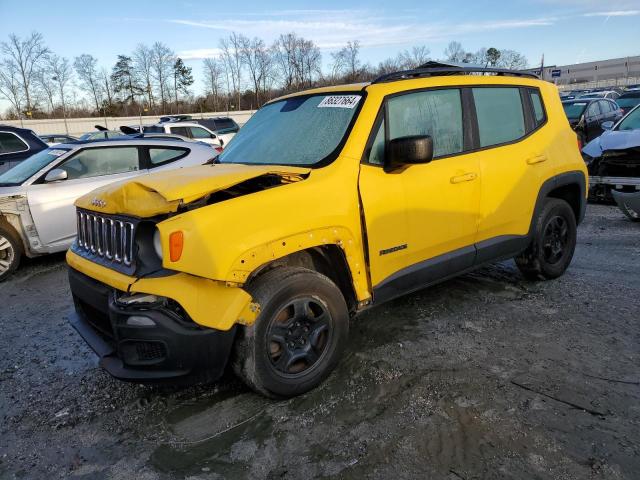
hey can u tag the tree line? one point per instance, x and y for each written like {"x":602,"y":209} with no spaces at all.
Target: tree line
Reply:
{"x":245,"y":73}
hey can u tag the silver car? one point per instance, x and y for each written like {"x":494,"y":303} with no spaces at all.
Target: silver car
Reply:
{"x":37,"y":214}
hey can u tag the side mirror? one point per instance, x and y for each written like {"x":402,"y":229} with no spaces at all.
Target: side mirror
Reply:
{"x":607,"y":125}
{"x":409,"y":150}
{"x":56,"y":175}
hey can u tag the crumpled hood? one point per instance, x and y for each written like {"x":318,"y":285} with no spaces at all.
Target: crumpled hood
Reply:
{"x":612,"y":140}
{"x":163,"y":192}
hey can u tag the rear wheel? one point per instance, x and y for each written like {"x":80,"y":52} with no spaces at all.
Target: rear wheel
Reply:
{"x":10,"y":252}
{"x":299,"y":336}
{"x":553,"y":243}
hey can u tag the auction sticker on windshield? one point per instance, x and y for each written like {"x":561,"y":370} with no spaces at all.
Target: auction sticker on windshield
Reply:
{"x":339,"y":101}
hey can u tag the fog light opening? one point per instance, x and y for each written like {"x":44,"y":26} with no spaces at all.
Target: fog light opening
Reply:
{"x":137,"y":321}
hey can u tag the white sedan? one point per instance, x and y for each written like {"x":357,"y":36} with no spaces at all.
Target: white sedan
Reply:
{"x":37,"y":213}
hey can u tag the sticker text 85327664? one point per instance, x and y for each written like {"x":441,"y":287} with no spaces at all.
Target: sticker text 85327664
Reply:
{"x":339,"y":101}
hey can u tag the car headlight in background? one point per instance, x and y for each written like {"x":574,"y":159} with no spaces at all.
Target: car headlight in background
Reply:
{"x":157,"y":244}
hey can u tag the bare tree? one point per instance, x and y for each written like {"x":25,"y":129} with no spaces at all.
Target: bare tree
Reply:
{"x":61,"y":71}
{"x":232,"y":56}
{"x":105,"y":78}
{"x":413,"y":58}
{"x":142,"y":65}
{"x":87,"y":69}
{"x":346,"y":61}
{"x":512,"y":60}
{"x":46,"y":85}
{"x":212,"y":76}
{"x":162,"y":60}
{"x":25,"y":57}
{"x":257,"y":58}
{"x":10,"y":86}
{"x":285,"y":56}
{"x":454,"y":52}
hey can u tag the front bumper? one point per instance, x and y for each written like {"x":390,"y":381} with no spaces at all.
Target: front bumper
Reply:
{"x":169,"y":347}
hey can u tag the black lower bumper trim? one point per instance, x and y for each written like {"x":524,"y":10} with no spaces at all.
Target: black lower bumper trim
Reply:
{"x":165,"y":347}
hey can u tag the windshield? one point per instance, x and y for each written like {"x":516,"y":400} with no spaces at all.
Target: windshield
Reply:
{"x":300,"y":131}
{"x":631,"y":121}
{"x":592,"y":95}
{"x":628,"y":101}
{"x":574,"y":110}
{"x":29,"y":167}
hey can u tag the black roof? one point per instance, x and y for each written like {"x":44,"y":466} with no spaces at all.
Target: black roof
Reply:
{"x":28,"y":135}
{"x":630,"y":94}
{"x":433,"y":69}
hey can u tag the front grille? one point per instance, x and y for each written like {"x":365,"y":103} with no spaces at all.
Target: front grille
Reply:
{"x":109,"y":238}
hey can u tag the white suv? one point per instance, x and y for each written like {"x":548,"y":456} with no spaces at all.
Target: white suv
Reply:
{"x":190,"y":130}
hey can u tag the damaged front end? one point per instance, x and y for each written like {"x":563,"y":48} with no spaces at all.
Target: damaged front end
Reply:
{"x":14,"y":211}
{"x":613,"y":161}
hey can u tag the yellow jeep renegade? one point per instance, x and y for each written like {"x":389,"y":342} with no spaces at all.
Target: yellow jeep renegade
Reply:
{"x":327,"y":202}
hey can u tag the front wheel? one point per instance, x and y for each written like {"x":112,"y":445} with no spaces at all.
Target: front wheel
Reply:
{"x":10,"y":252}
{"x":553,"y":242}
{"x":299,"y":335}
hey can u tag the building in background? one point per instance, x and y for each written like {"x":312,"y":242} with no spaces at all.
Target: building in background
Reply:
{"x":602,"y":73}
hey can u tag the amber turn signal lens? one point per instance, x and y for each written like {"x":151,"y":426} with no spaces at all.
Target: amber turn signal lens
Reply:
{"x":176,"y":242}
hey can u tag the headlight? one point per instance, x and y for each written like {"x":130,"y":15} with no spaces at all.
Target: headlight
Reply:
{"x":157,"y":244}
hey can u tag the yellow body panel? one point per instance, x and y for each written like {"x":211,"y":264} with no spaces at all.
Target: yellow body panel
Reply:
{"x":208,"y":302}
{"x":425,"y":207}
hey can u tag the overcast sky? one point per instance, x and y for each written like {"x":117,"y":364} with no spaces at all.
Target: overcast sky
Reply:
{"x":565,"y":31}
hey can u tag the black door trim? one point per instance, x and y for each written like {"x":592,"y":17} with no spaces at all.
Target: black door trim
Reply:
{"x":443,"y":267}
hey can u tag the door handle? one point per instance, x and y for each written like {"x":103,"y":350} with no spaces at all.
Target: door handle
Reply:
{"x":467,"y":177}
{"x":536,"y":159}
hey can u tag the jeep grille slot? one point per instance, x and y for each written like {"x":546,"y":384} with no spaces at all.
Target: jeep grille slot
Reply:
{"x":106,"y":237}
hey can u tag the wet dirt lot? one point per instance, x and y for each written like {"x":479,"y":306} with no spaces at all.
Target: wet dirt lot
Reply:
{"x":486,"y":376}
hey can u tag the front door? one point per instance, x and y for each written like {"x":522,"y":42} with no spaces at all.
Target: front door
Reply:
{"x":421,"y":220}
{"x":52,"y":204}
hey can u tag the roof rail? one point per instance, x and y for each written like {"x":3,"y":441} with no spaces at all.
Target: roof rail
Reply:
{"x":434,"y":69}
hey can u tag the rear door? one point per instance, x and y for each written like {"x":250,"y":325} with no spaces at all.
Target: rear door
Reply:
{"x":52,"y":204}
{"x":512,"y":139}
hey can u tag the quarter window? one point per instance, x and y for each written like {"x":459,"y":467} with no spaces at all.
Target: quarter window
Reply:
{"x":500,"y":115}
{"x":96,"y":162}
{"x":538,"y":110}
{"x":160,"y":156}
{"x":11,"y":143}
{"x":437,"y":113}
{"x":376,"y":155}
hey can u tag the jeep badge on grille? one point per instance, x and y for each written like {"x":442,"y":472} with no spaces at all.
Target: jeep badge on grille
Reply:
{"x":96,"y":202}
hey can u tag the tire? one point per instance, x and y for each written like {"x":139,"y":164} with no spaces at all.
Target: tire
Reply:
{"x":554,"y":241}
{"x":298,"y":337}
{"x":10,"y":251}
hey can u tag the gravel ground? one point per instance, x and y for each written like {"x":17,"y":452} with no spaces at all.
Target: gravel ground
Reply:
{"x":486,"y":376}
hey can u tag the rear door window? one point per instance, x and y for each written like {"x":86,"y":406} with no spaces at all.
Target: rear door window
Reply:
{"x":184,"y":131}
{"x":96,"y":162}
{"x":593,"y":110}
{"x":199,"y":132}
{"x":11,"y":143}
{"x":500,"y":115}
